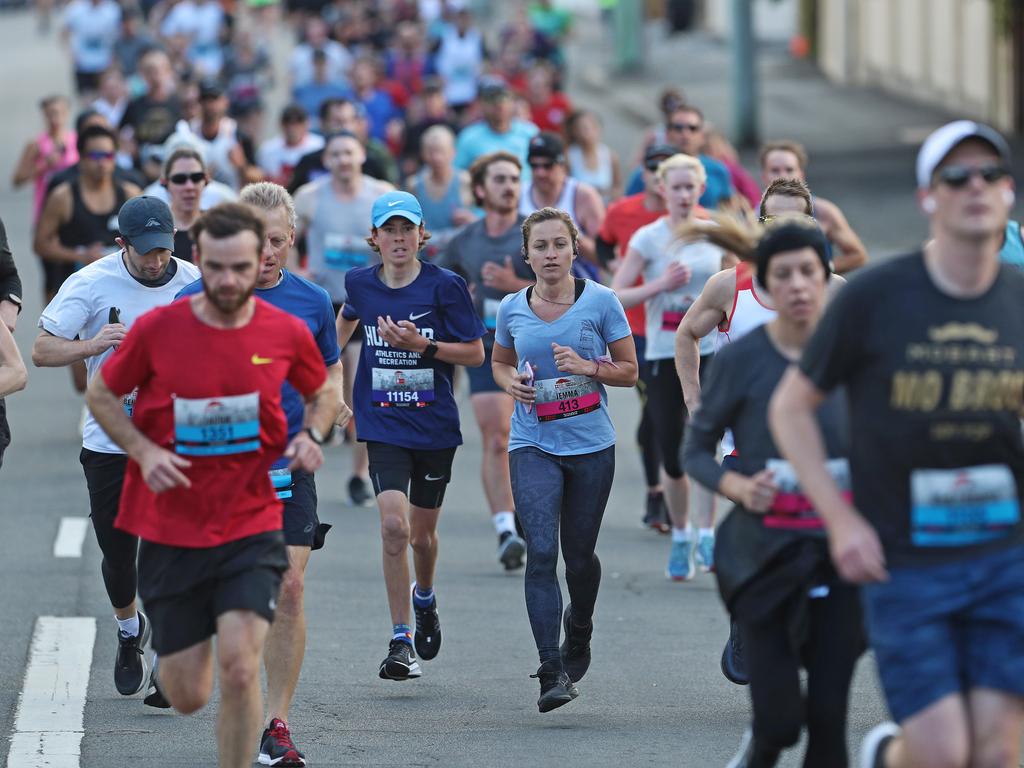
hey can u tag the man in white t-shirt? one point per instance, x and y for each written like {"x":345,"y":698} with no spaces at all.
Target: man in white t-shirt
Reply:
{"x":279,"y":155}
{"x":87,"y":320}
{"x":300,"y":63}
{"x":92,"y":28}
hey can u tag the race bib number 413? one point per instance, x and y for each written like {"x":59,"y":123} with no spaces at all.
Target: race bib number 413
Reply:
{"x":566,"y":396}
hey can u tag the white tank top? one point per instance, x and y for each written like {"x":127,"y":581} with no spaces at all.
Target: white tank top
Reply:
{"x":599,"y":178}
{"x":460,"y":64}
{"x":566,"y":202}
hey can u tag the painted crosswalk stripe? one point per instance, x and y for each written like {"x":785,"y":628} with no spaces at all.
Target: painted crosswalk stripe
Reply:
{"x":70,"y":537}
{"x":49,"y":725}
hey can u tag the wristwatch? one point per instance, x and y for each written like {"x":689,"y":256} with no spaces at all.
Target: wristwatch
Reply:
{"x":14,"y":298}
{"x":315,"y":435}
{"x":430,"y":351}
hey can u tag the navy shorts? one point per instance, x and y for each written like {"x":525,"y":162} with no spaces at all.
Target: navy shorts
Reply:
{"x":421,"y":474}
{"x":481,"y":380}
{"x":302,"y":527}
{"x":948,"y":628}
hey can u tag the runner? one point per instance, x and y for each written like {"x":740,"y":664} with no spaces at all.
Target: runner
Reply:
{"x":929,"y":349}
{"x":78,"y":224}
{"x":674,"y":274}
{"x":184,"y":178}
{"x":332,"y":213}
{"x":774,"y":572}
{"x":13,"y":375}
{"x":788,"y":160}
{"x":405,"y":409}
{"x":486,"y":254}
{"x":303,"y":531}
{"x":623,"y":219}
{"x":550,"y":355}
{"x":87,"y":321}
{"x":50,"y":152}
{"x":196,"y":490}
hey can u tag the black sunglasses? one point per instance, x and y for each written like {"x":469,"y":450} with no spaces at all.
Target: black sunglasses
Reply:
{"x":957,"y":176}
{"x":181,"y":178}
{"x":546,"y":165}
{"x":679,"y":127}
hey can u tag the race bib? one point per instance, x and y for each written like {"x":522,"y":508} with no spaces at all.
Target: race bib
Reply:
{"x":790,"y":508}
{"x":217,"y":426}
{"x":491,"y":313}
{"x":129,"y":402}
{"x":342,"y":252}
{"x":282,"y":482}
{"x":403,"y":388}
{"x":670,"y":319}
{"x":565,"y":397}
{"x":960,"y":507}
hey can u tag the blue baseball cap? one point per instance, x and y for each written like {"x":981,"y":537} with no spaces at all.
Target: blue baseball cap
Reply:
{"x":396,"y":204}
{"x":147,"y":223}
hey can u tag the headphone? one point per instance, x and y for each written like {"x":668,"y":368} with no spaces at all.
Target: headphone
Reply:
{"x":928,"y":205}
{"x":1009,"y":197}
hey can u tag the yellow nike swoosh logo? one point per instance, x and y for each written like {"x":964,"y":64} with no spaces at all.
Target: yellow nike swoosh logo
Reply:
{"x":257,"y":360}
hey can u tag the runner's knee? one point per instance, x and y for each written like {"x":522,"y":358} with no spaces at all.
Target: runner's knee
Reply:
{"x":238,"y":673}
{"x":394,"y":530}
{"x":289,"y":599}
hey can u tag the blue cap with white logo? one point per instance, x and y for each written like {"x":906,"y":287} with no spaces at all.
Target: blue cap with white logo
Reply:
{"x":146,"y":222}
{"x":396,"y":204}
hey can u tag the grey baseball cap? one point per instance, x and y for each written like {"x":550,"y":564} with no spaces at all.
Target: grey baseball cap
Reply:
{"x":941,"y":142}
{"x":146,"y":222}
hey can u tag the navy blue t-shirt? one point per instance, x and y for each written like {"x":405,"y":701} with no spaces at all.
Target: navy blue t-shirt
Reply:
{"x":400,"y":398}
{"x":311,"y":304}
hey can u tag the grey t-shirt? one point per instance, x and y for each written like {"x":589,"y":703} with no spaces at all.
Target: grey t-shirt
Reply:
{"x":336,"y":239}
{"x":466,"y":255}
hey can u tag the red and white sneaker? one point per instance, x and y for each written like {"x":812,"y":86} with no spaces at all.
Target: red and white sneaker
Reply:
{"x":277,"y":747}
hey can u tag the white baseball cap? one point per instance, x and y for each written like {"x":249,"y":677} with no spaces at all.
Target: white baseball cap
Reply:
{"x":941,"y":142}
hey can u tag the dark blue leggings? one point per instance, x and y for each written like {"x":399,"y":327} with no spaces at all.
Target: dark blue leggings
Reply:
{"x":560,"y":495}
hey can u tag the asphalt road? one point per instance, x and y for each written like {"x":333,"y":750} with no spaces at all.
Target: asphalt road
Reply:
{"x":654,"y":695}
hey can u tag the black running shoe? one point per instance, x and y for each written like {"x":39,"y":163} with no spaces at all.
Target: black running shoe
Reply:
{"x":277,"y":747}
{"x":154,"y":696}
{"x":428,"y":629}
{"x":575,"y":648}
{"x":656,"y":513}
{"x":511,"y":550}
{"x":400,"y":663}
{"x":733,"y":666}
{"x":358,"y":491}
{"x":130,"y":662}
{"x":556,"y":689}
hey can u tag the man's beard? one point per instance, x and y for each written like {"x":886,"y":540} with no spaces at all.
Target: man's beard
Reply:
{"x":225,"y":305}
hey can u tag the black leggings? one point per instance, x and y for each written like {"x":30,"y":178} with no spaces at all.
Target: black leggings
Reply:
{"x":104,"y":475}
{"x":645,"y":436}
{"x":560,"y":497}
{"x":668,"y":412}
{"x":834,"y":641}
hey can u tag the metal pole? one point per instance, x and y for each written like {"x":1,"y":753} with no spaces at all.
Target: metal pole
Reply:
{"x":628,"y":20}
{"x":744,"y":75}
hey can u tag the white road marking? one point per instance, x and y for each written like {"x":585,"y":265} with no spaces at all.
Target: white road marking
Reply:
{"x":49,"y":724}
{"x":70,"y":537}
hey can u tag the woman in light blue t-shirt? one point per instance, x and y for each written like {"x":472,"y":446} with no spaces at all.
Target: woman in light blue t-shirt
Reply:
{"x":550,"y":354}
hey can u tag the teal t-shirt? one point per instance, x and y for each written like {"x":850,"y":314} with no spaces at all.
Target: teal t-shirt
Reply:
{"x":570,"y":416}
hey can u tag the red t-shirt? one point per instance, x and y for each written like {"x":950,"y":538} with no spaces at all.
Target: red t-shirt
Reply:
{"x":550,"y":115}
{"x":213,"y":396}
{"x":624,"y":217}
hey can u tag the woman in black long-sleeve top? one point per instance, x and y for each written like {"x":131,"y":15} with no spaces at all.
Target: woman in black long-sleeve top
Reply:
{"x":771,"y":556}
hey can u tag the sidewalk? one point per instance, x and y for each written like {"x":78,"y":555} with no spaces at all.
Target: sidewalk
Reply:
{"x":862,"y":142}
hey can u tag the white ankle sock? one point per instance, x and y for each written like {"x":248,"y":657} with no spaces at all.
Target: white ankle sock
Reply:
{"x":504,"y":521}
{"x":129,"y":626}
{"x":681,"y":534}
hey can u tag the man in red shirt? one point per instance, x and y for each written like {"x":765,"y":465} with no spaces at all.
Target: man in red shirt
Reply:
{"x":624,"y":217}
{"x":206,"y":428}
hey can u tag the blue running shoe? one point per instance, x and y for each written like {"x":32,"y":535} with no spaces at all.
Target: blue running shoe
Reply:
{"x":680,"y":561}
{"x":706,"y":553}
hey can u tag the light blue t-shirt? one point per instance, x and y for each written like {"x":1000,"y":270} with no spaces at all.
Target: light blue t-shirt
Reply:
{"x":480,"y":139}
{"x":1012,"y":251}
{"x":570,"y":416}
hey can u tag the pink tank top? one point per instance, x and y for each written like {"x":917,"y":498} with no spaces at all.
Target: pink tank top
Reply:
{"x":67,"y":158}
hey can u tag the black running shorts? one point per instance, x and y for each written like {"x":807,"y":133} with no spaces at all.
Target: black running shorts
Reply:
{"x":422,"y":475}
{"x":186,"y":589}
{"x":302,"y":527}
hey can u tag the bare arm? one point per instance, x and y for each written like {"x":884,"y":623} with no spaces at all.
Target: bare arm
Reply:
{"x":25,"y":171}
{"x":304,"y":203}
{"x":161,"y":468}
{"x":856,"y":549}
{"x":505,"y":369}
{"x":590,"y":212}
{"x":629,"y":270}
{"x":345,"y":329}
{"x":703,"y":316}
{"x":56,"y":211}
{"x":851,"y":252}
{"x":336,"y":377}
{"x":13,"y":374}
{"x":49,"y":351}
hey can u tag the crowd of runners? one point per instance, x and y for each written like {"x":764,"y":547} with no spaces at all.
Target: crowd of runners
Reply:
{"x":432,"y":214}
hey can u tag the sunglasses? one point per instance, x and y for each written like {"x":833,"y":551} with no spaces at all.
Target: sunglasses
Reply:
{"x":98,"y":155}
{"x":679,"y":127}
{"x":547,"y":166}
{"x":957,"y":176}
{"x":181,"y":178}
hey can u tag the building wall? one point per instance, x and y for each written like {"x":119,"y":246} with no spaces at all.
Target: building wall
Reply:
{"x":940,"y":52}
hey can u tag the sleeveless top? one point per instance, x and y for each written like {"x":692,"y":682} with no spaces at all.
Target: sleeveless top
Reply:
{"x":459,"y":60}
{"x":217,"y":151}
{"x":85,"y":227}
{"x":601,"y":177}
{"x":567,"y":201}
{"x":46,"y":147}
{"x":747,"y":312}
{"x":1012,"y":251}
{"x":437,"y":214}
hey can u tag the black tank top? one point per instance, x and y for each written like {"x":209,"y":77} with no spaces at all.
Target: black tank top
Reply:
{"x":86,"y":227}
